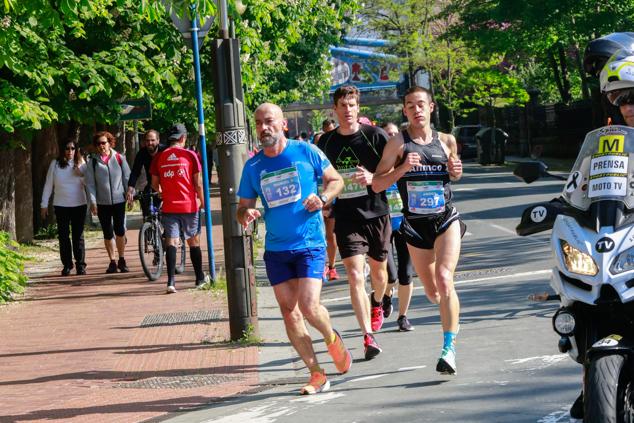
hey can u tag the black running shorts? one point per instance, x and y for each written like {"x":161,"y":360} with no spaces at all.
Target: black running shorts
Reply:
{"x":422,"y":232}
{"x":371,"y":237}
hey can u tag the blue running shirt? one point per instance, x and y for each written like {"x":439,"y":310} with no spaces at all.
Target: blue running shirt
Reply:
{"x":283,"y":183}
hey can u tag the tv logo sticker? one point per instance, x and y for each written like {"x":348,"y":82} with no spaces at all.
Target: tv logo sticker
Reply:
{"x":538,"y":214}
{"x":604,"y":245}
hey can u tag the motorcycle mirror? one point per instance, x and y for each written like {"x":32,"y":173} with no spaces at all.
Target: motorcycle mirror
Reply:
{"x":541,"y":217}
{"x":531,"y":171}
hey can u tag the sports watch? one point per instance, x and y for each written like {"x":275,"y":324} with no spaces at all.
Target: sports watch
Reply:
{"x":323,"y":198}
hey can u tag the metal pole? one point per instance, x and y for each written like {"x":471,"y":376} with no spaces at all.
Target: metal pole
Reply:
{"x":203,"y":144}
{"x":231,"y":142}
{"x":224,"y":28}
{"x":136,"y":136}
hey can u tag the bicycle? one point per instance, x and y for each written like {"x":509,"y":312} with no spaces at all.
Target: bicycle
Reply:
{"x":152,"y":241}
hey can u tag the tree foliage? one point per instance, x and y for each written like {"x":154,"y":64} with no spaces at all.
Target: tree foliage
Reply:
{"x":75,"y":60}
{"x":542,"y":33}
{"x":419,"y":32}
{"x":491,"y":88}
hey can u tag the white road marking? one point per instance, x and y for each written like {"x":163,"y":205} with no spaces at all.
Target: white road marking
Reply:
{"x":539,"y":362}
{"x":467,"y":233}
{"x":266,"y":413}
{"x":371,"y":377}
{"x":405,"y":369}
{"x":556,"y":416}
{"x":503,"y":229}
{"x":320,"y":398}
{"x":488,"y":278}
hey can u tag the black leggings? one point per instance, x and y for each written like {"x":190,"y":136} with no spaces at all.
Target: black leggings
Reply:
{"x":112,"y":219}
{"x":404,"y":271}
{"x":67,"y":218}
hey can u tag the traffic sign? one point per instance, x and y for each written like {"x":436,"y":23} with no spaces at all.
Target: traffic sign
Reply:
{"x":136,"y":109}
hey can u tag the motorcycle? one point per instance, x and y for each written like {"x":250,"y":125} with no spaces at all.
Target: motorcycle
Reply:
{"x":592,"y":241}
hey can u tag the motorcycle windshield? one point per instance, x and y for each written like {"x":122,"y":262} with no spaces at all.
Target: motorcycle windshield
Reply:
{"x":602,"y":169}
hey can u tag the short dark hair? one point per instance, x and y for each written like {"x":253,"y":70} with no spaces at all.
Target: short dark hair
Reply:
{"x":345,"y":91}
{"x":328,"y":122}
{"x":418,"y":89}
{"x":152,"y":131}
{"x":111,"y":139}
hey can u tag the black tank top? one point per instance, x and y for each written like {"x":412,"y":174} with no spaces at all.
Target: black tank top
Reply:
{"x":425,"y":189}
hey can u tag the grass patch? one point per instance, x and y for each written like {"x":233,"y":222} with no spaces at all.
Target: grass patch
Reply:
{"x":218,"y":287}
{"x":46,"y":232}
{"x":249,"y":338}
{"x":38,"y":250}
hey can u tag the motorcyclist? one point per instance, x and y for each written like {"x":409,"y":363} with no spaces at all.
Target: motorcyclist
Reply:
{"x":617,"y":84}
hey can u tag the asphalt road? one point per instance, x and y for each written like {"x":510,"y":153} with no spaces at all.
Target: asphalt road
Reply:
{"x":509,"y":368}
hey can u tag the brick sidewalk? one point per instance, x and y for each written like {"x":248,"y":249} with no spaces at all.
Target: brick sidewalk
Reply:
{"x":116,"y":348}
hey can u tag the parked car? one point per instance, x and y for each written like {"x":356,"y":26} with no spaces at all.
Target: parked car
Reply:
{"x":465,"y":137}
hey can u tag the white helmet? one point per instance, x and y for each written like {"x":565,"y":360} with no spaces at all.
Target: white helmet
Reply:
{"x":617,"y":77}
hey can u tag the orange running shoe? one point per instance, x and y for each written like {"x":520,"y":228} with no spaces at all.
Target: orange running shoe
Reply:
{"x":317,"y":383}
{"x":332,"y":274}
{"x":340,"y":354}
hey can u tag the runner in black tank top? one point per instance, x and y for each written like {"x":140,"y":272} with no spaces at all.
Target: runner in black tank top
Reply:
{"x":425,"y":189}
{"x":423,"y":163}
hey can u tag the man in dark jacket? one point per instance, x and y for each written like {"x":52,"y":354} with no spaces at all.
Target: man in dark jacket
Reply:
{"x":143,"y":159}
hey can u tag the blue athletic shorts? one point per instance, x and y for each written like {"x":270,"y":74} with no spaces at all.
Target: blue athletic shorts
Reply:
{"x":175,"y":223}
{"x":292,"y":264}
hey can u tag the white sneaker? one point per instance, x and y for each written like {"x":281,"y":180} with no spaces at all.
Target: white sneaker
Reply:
{"x":171,"y":289}
{"x":447,"y":362}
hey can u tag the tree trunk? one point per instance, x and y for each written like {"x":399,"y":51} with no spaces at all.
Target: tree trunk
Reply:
{"x":23,"y":195}
{"x":555,"y":68}
{"x":7,"y":191}
{"x":44,"y":149}
{"x":564,"y":73}
{"x":585,"y":90}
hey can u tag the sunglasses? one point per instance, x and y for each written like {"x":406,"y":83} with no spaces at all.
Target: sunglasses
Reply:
{"x":102,"y":143}
{"x":621,"y":97}
{"x":70,"y":148}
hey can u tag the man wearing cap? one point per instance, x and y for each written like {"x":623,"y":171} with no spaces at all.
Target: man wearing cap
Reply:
{"x":176,"y":174}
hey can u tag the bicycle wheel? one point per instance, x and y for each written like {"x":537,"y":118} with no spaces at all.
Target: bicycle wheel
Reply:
{"x":151,"y":251}
{"x":181,"y":253}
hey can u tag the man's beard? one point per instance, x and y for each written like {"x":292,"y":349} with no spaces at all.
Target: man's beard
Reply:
{"x":152,"y":149}
{"x":269,"y":140}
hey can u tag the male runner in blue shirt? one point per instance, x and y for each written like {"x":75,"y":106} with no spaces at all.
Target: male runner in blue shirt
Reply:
{"x":284,"y":175}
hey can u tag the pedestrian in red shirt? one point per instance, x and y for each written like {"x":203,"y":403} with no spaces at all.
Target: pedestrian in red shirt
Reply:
{"x":176,"y":173}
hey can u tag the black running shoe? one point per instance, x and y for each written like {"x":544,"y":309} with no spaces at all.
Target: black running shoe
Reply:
{"x":387,"y":306}
{"x":112,"y":267}
{"x":576,"y":411}
{"x":123,"y":267}
{"x":403,"y":324}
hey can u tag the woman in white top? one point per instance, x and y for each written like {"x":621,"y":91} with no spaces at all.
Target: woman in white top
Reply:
{"x":65,"y":180}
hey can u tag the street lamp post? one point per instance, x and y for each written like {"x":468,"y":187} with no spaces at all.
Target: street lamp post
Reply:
{"x":231,"y":142}
{"x":193,"y":34}
{"x":203,"y":143}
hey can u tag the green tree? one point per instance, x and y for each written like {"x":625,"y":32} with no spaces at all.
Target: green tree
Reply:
{"x":491,"y":88}
{"x":552,"y":31}
{"x":418,"y":31}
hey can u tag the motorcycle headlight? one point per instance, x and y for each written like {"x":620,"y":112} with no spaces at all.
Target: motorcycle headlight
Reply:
{"x":564,"y":322}
{"x":577,"y":261}
{"x":623,"y":262}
